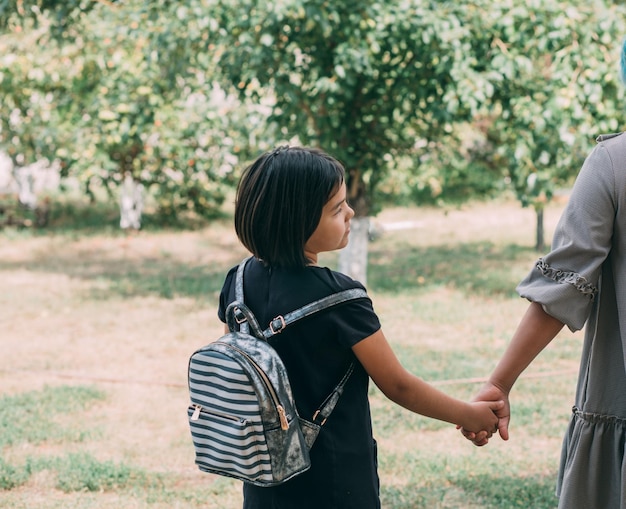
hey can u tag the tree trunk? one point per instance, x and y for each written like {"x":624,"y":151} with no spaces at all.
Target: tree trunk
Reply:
{"x":26,"y":186}
{"x":540,"y":240}
{"x":131,"y":204}
{"x":353,"y":258}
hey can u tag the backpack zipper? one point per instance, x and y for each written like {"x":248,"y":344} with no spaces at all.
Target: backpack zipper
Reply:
{"x":199,"y":408}
{"x":282,"y":415}
{"x":196,"y":412}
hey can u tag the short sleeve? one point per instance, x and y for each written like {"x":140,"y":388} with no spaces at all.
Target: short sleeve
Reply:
{"x":565,"y":282}
{"x":357,"y":321}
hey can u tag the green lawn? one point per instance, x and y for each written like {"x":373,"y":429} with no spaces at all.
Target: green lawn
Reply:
{"x":97,"y":327}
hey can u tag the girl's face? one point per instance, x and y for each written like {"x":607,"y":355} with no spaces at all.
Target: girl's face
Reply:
{"x":334,"y":226}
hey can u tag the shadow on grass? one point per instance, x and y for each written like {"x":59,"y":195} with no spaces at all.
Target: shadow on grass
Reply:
{"x":86,"y":218}
{"x":475,"y":268}
{"x":119,"y":271}
{"x":480,"y":267}
{"x":120,"y":277}
{"x":177,"y":280}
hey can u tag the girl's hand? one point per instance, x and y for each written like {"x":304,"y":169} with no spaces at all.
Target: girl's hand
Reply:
{"x":489,"y":393}
{"x":482,"y":418}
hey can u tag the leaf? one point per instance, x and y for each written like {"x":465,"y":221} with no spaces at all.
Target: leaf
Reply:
{"x":107,"y":115}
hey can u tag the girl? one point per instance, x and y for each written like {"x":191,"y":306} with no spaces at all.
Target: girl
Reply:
{"x":291,"y":206}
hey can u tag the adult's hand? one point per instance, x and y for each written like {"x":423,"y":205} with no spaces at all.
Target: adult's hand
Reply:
{"x":491,"y":392}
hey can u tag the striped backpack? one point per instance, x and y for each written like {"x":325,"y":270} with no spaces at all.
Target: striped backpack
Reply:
{"x":243,"y":419}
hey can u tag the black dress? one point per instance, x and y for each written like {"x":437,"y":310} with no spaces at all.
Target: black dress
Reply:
{"x":317,"y":352}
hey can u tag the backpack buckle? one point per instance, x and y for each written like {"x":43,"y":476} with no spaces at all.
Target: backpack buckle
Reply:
{"x":279,"y":326}
{"x":316,"y":415}
{"x":239,"y":315}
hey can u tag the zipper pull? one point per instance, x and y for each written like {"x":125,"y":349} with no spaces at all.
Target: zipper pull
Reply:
{"x":196,"y":413}
{"x":284,"y":425}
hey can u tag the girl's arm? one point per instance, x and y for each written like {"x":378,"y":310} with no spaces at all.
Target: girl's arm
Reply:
{"x":411,"y":392}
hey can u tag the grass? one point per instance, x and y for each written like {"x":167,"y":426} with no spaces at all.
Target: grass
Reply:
{"x":432,"y":266}
{"x":30,"y":417}
{"x":97,"y":327}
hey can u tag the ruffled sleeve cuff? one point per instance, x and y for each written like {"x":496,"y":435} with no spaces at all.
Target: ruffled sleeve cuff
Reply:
{"x":565,"y":295}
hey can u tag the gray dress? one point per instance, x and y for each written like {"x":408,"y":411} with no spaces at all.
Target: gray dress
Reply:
{"x":583,"y":280}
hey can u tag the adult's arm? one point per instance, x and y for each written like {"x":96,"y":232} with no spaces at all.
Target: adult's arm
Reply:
{"x":534,"y":332}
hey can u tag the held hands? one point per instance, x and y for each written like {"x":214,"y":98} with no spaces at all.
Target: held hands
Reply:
{"x":491,"y":394}
{"x":483,"y":416}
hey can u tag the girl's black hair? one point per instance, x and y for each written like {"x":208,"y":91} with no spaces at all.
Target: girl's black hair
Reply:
{"x":279,"y":202}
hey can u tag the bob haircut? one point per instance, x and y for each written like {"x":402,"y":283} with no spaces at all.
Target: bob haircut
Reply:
{"x":279,"y":202}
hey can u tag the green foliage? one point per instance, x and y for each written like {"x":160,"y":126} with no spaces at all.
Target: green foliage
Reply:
{"x":421,"y":100}
{"x":31,"y":416}
{"x":34,"y":98}
{"x":127,"y":91}
{"x":457,"y":99}
{"x":63,"y":12}
{"x":446,"y":176}
{"x":554,"y":87}
{"x":364,"y":83}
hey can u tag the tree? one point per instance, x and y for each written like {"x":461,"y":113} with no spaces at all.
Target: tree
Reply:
{"x":392,"y":85}
{"x":63,"y":12}
{"x":552,"y":68}
{"x":363,"y":81}
{"x":121,"y":92}
{"x":122,"y":95}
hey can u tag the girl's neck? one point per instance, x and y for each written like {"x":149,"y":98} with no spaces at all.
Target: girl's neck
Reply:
{"x":312,"y":257}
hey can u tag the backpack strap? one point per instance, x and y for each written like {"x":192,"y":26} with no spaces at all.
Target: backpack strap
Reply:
{"x":243,"y":316}
{"x":243,"y":325}
{"x":278,"y":324}
{"x":237,"y":313}
{"x":324,"y":410}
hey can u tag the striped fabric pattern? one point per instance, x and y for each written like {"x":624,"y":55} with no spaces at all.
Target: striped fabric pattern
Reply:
{"x":227,"y":431}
